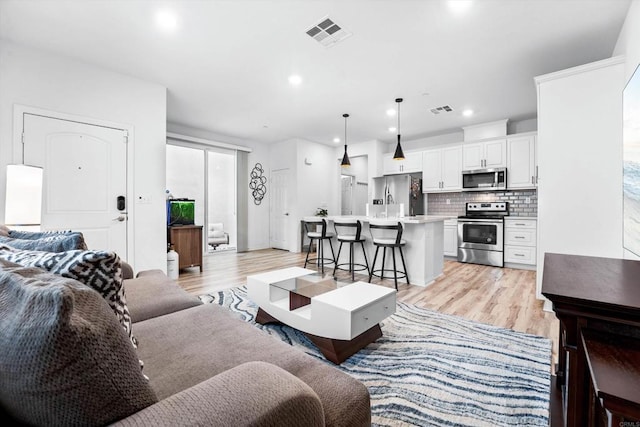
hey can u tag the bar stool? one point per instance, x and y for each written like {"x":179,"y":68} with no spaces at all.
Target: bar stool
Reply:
{"x":311,"y":227}
{"x":350,"y":232}
{"x":386,"y":241}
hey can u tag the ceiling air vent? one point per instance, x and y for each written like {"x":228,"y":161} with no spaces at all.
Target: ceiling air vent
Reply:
{"x":327,"y":32}
{"x":443,"y":109}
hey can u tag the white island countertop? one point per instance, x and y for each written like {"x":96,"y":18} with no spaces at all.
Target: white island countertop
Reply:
{"x":418,"y":219}
{"x":423,"y":251}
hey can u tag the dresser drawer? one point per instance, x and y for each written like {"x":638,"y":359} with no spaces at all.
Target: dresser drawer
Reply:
{"x":371,"y":315}
{"x":520,"y":236}
{"x":520,"y":254}
{"x":520,"y":223}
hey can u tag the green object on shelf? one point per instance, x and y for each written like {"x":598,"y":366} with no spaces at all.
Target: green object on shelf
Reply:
{"x":322,"y":212}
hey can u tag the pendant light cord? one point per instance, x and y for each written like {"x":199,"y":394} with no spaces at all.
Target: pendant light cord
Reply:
{"x":398,"y":119}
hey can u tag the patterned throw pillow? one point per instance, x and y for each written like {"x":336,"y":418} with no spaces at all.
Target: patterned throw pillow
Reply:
{"x":100,"y":270}
{"x":51,"y":243}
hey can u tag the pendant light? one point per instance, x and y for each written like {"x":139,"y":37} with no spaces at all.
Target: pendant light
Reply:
{"x":399,"y":154}
{"x":345,"y":158}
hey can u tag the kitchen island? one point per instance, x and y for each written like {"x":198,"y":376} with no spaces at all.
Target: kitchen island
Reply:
{"x":423,"y":252}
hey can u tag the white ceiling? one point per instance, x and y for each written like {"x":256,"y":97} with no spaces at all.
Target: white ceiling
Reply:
{"x":226,"y":65}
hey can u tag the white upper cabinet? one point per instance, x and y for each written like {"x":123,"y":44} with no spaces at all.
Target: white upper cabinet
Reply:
{"x":431,"y":171}
{"x":521,"y":162}
{"x":412,"y":163}
{"x":442,"y":169}
{"x":486,"y":154}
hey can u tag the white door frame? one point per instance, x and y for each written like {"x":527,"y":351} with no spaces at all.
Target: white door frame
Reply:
{"x":18,"y":128}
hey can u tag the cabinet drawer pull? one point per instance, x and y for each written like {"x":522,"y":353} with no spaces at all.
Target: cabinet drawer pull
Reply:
{"x":366,"y":318}
{"x":518,"y":237}
{"x":519,"y":223}
{"x":519,"y":254}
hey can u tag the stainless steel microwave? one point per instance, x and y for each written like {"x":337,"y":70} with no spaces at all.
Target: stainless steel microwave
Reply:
{"x":484,"y":180}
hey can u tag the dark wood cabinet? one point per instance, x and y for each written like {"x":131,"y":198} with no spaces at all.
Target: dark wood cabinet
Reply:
{"x":597,"y":301}
{"x":187,"y":241}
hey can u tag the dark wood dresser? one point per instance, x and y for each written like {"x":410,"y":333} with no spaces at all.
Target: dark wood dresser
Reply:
{"x":597,"y":301}
{"x":187,"y":241}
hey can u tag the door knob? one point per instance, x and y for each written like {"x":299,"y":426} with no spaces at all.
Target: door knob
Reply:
{"x":120,"y":218}
{"x":287,"y":213}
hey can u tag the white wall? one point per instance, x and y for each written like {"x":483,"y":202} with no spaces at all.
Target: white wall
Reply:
{"x":312,"y":185}
{"x":580,"y":161}
{"x":629,"y":45}
{"x":283,"y":155}
{"x":39,"y":79}
{"x":431,"y":141}
{"x":258,"y":215}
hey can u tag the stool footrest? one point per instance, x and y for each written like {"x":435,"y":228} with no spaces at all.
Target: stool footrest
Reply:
{"x":401,"y":274}
{"x":362,"y":267}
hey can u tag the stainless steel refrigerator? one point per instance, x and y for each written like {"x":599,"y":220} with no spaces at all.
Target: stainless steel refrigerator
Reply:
{"x":400,"y":189}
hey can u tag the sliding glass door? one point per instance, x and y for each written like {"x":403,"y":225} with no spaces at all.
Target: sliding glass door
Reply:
{"x":221,"y":196}
{"x":208,"y":176}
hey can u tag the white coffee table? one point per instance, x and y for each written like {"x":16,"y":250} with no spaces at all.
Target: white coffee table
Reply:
{"x":339,"y":318}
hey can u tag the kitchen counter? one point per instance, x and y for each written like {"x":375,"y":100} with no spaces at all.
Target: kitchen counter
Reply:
{"x":515,"y":218}
{"x":418,"y":219}
{"x":423,"y":252}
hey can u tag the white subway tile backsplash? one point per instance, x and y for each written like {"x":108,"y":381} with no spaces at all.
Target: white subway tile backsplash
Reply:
{"x":437,"y":202}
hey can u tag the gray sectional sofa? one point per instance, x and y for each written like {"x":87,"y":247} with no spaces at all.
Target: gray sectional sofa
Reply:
{"x":204,"y":366}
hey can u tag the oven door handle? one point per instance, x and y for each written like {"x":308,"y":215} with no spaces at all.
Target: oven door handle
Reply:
{"x":473,"y":221}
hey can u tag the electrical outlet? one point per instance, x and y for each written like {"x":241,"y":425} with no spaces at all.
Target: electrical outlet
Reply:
{"x":144,"y":199}
{"x":527,"y":200}
{"x":448,"y":201}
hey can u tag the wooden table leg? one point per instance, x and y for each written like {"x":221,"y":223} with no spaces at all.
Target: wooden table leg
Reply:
{"x":338,"y":351}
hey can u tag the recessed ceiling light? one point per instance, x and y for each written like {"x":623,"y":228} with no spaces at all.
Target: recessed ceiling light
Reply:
{"x":166,"y":20}
{"x":391,"y":112}
{"x":336,"y":140}
{"x":459,"y":6}
{"x":467,"y":113}
{"x":392,"y":129}
{"x":295,"y":80}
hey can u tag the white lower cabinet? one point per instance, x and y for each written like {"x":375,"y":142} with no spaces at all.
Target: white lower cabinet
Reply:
{"x":451,"y":237}
{"x":520,"y":242}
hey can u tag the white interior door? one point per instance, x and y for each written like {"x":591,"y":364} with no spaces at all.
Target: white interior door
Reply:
{"x":280,"y":209}
{"x":85,"y":171}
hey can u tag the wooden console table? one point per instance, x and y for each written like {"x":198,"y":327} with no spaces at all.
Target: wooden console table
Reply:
{"x":187,"y":241}
{"x":590,"y":294}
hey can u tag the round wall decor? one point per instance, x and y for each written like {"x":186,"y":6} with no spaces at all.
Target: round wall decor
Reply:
{"x":258,"y":184}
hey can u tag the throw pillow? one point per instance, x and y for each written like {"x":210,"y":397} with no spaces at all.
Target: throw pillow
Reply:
{"x":51,"y":243}
{"x":65,"y":358}
{"x":99,"y":270}
{"x":35,"y":235}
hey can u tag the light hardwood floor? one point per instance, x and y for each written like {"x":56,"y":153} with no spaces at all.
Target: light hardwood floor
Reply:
{"x":502,"y":297}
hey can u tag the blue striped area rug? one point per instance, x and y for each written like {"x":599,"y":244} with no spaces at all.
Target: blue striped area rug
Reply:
{"x":431,"y":368}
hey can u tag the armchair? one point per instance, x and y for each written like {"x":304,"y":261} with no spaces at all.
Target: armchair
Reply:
{"x":216,"y":235}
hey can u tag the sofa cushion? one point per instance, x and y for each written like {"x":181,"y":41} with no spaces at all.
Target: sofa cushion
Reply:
{"x":99,"y":270}
{"x":184,"y":348}
{"x":269,"y":396}
{"x":154,"y":294}
{"x":216,"y":233}
{"x":65,"y":358}
{"x":51,"y":243}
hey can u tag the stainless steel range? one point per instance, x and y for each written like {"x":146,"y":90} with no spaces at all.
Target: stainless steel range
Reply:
{"x":481,"y":233}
